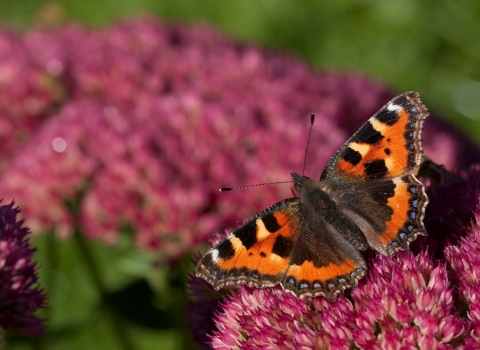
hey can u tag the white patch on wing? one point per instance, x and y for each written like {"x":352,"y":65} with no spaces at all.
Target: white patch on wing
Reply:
{"x":393,"y":107}
{"x":214,"y":254}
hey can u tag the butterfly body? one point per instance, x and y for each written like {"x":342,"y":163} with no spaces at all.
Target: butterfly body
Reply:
{"x":367,"y":197}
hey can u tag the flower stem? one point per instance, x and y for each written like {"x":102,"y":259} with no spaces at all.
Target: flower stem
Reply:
{"x":94,"y":271}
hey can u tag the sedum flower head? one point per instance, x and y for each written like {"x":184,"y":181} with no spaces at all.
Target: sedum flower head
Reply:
{"x":406,"y":301}
{"x":28,"y":94}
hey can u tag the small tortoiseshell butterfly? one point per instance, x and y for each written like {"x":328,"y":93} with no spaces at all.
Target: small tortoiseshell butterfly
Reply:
{"x":367,"y":197}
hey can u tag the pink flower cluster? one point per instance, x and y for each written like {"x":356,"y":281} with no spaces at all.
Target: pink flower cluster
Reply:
{"x":20,"y":297}
{"x":465,"y":264}
{"x":28,"y":93}
{"x":427,"y":300}
{"x":139,"y":124}
{"x":404,"y":303}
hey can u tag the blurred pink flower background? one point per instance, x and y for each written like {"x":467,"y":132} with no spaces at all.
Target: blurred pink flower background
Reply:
{"x":141,"y":123}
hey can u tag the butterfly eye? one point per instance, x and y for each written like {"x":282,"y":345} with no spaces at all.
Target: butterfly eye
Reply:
{"x":298,"y":186}
{"x":297,"y":181}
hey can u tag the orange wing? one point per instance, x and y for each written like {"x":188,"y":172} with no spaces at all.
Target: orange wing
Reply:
{"x":258,"y":253}
{"x":388,"y":145}
{"x":371,"y":176}
{"x":276,"y":247}
{"x":326,"y":266}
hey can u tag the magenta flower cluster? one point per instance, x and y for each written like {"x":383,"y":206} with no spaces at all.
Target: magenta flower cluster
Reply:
{"x":427,"y":298}
{"x":20,"y":296}
{"x":403,"y":304}
{"x":465,"y":264}
{"x":28,"y":94}
{"x":139,"y":125}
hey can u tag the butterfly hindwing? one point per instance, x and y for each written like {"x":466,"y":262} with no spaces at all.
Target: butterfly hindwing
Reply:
{"x":323,"y":262}
{"x":389,"y":212}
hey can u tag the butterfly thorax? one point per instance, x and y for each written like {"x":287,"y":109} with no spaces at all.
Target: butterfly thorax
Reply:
{"x":313,"y":194}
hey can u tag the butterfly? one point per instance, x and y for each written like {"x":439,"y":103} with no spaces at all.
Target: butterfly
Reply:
{"x":367,"y":198}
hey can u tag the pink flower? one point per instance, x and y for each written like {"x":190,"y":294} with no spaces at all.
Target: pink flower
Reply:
{"x":405,"y":301}
{"x":28,"y":94}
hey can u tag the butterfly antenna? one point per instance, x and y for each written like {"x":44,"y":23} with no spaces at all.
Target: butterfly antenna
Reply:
{"x":225,"y":189}
{"x":312,"y":119}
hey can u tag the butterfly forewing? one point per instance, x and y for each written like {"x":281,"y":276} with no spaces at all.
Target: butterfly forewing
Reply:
{"x":388,"y":145}
{"x":257,"y":253}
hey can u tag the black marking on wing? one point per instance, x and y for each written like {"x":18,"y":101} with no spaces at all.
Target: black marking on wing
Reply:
{"x":368,"y":134}
{"x":271,"y":223}
{"x":376,"y":169}
{"x":352,"y":156}
{"x":282,"y":247}
{"x":225,"y":250}
{"x":382,"y":191}
{"x":247,"y":234}
{"x":388,"y":117}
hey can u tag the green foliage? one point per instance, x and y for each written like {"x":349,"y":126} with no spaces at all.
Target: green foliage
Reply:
{"x":136,"y":306}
